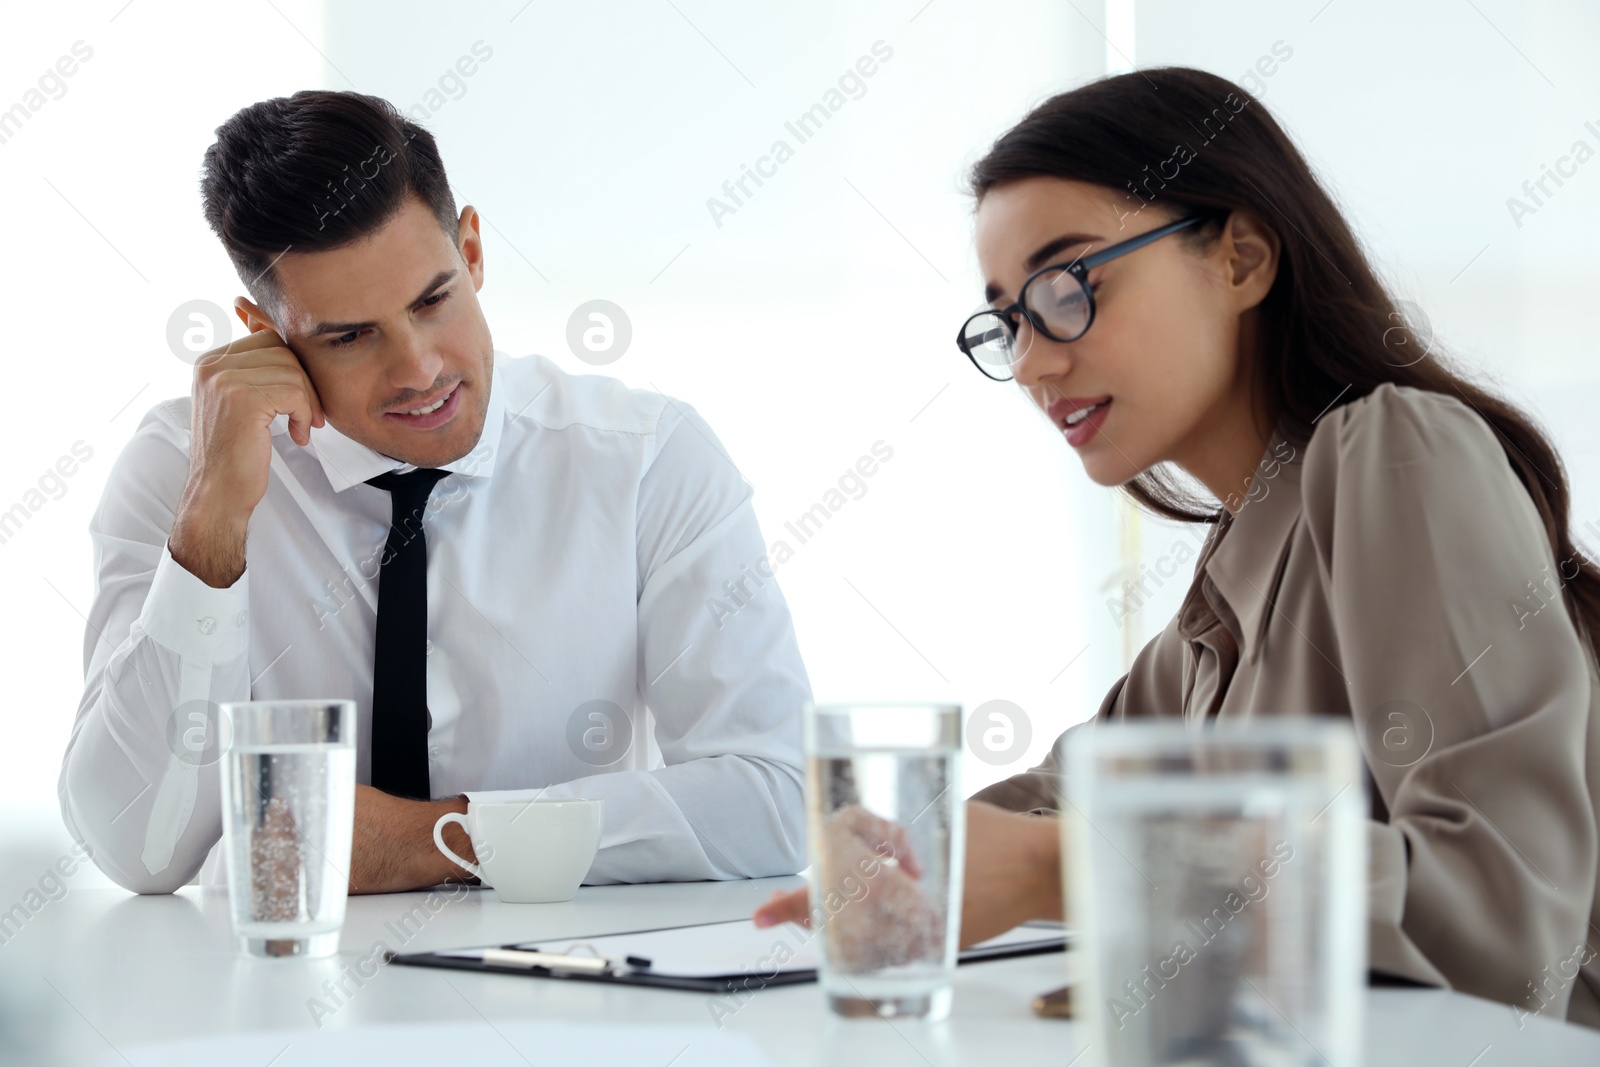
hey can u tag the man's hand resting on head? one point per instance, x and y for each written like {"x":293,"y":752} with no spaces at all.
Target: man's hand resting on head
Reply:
{"x":239,"y":389}
{"x":1013,"y":875}
{"x":393,"y":851}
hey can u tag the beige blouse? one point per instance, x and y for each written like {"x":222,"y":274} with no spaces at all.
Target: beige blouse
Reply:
{"x":1393,"y":565}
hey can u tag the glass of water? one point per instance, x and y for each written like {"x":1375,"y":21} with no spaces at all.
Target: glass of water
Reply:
{"x":1217,"y":878}
{"x":288,"y":812}
{"x":887,"y":831}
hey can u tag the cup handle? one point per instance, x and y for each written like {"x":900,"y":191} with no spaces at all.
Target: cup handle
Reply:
{"x":438,"y":839}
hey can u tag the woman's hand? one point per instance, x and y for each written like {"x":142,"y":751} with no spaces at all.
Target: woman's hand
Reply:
{"x":1013,"y":874}
{"x":869,"y":884}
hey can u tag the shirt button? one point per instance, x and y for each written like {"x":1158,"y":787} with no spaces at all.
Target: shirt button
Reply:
{"x":428,"y":649}
{"x":208,"y":625}
{"x":433,"y":751}
{"x":240,"y":619}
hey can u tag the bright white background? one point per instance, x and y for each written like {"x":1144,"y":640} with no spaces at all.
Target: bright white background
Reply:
{"x":814,"y":321}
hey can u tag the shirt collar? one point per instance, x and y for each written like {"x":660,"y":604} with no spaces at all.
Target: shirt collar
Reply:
{"x":1244,"y":561}
{"x":346,"y":461}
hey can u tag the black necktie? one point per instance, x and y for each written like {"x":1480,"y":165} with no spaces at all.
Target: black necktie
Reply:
{"x":400,"y":666}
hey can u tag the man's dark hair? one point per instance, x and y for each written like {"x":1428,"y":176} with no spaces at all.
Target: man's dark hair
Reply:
{"x":312,"y":172}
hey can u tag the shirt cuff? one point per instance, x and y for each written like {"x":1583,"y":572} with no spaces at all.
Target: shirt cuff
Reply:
{"x":561,"y":791}
{"x":195,"y":620}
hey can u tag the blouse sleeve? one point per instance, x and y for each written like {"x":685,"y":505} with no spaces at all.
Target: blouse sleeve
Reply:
{"x":1470,"y":687}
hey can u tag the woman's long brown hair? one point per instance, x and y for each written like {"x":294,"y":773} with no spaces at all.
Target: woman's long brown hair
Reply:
{"x":1184,"y":141}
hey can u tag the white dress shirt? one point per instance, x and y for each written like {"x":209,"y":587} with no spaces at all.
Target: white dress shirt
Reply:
{"x":578,"y":567}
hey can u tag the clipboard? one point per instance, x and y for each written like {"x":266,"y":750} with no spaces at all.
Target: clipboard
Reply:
{"x":698,"y":959}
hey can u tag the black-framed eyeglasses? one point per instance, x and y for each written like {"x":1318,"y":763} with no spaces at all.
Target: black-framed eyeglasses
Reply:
{"x":989,"y":338}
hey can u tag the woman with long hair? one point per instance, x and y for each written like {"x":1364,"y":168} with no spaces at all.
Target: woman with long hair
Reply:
{"x":1171,"y":285}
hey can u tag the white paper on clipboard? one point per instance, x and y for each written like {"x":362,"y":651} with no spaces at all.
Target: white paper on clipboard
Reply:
{"x":732,"y":948}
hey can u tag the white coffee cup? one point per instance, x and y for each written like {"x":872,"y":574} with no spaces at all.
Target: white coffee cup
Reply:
{"x":530,"y":851}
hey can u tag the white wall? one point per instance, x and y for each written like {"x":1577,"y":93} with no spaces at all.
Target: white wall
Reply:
{"x":813,"y":321}
{"x":102,"y":239}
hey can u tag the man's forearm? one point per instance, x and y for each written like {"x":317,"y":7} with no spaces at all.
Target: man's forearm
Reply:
{"x":393,"y":849}
{"x":209,"y":547}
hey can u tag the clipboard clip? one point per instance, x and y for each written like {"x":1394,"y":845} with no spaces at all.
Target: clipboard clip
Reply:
{"x":572,"y":961}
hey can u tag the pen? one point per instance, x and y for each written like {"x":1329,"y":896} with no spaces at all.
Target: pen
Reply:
{"x":557,"y":961}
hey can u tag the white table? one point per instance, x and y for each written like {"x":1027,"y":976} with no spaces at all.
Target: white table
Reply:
{"x":94,"y":975}
{"x":100,"y":975}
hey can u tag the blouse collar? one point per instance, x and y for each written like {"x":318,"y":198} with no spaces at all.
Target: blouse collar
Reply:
{"x":1243,"y":560}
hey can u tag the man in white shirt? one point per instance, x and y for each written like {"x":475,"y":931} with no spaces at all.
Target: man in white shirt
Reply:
{"x":571,"y":538}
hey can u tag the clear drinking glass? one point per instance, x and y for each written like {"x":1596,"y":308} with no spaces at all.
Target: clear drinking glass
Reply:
{"x":1217,"y":879}
{"x":887,"y":841}
{"x":288,"y":811}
